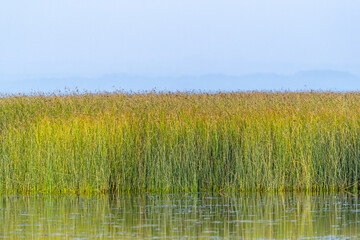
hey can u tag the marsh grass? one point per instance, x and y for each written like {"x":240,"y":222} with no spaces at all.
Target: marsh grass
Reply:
{"x":172,"y":142}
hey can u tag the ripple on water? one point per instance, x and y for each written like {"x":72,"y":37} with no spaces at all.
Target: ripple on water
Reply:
{"x":180,"y":216}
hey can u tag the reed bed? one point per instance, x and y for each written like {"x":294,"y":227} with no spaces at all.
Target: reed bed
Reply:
{"x":176,"y":142}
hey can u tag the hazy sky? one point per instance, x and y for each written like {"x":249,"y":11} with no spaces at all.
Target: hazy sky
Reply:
{"x":56,"y":38}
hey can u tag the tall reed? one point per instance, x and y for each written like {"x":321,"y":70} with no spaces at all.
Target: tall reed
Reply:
{"x":171,"y":142}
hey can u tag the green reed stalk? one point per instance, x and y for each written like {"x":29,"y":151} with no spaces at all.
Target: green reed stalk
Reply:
{"x":172,"y":142}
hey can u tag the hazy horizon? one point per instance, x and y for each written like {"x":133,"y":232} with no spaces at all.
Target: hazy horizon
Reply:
{"x":323,"y":80}
{"x":89,"y":39}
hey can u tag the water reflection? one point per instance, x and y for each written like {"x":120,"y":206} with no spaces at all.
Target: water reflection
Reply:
{"x":181,"y":216}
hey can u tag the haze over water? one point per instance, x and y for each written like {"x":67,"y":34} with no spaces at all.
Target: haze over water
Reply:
{"x":51,"y":45}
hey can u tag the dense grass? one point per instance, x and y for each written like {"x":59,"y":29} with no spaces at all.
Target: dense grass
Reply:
{"x":169,"y":142}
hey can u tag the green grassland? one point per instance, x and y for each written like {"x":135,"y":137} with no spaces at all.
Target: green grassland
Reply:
{"x":173,"y":142}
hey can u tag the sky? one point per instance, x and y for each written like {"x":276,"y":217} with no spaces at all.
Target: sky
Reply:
{"x":90,"y":38}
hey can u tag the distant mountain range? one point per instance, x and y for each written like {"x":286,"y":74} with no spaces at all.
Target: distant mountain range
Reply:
{"x":306,"y":80}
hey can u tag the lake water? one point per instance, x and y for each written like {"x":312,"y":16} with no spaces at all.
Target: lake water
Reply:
{"x":181,"y":216}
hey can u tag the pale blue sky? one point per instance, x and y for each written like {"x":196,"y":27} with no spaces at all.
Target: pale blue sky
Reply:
{"x":89,"y":38}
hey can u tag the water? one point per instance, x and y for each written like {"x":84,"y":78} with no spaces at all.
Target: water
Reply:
{"x":181,"y":216}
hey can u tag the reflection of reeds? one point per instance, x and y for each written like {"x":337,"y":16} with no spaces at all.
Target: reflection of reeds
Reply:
{"x":202,"y":216}
{"x":180,"y":142}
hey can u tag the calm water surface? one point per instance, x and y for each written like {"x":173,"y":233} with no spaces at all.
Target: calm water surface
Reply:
{"x":181,"y":216}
